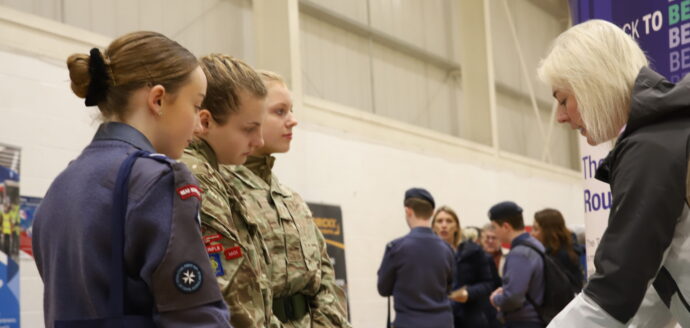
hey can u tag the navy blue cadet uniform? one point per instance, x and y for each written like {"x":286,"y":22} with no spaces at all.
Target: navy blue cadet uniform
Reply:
{"x":417,"y":270}
{"x":163,"y":246}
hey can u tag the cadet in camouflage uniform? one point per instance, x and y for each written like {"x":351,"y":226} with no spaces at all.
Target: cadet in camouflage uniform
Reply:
{"x":302,"y":277}
{"x":231,"y":117}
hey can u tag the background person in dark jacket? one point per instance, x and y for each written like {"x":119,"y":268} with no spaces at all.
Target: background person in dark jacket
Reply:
{"x":492,"y":246}
{"x":417,"y":269}
{"x":549,"y":228}
{"x":472,"y":277}
{"x":523,"y":278}
{"x":495,"y":254}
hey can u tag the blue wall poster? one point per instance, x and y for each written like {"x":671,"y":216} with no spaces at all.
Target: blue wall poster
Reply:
{"x":26,"y":214}
{"x":10,"y":228}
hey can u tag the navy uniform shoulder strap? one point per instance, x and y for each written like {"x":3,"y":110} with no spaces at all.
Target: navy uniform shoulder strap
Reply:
{"x":120,"y":198}
{"x":116,"y":299}
{"x":120,"y":195}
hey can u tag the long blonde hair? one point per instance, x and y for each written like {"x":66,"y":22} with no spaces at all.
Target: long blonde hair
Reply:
{"x":598,"y":63}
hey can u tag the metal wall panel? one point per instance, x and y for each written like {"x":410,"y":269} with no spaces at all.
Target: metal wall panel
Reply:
{"x":372,"y":77}
{"x":519,"y":134}
{"x":336,"y":64}
{"x":203,"y":26}
{"x":420,"y":22}
{"x":353,"y":9}
{"x":536,"y":29}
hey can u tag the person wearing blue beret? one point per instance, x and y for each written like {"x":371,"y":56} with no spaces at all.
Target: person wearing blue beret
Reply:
{"x":417,"y":269}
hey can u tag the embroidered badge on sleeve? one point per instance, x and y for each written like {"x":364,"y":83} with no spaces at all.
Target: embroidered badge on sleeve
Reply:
{"x":189,"y":191}
{"x":188,"y":277}
{"x":216,"y":264}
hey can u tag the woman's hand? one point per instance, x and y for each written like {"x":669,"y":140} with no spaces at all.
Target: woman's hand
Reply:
{"x":498,"y":291}
{"x":459,"y":295}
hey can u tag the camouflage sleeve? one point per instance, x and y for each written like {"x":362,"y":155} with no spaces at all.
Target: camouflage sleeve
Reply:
{"x":233,"y":269}
{"x":275,"y":322}
{"x":329,"y":305}
{"x":229,"y":262}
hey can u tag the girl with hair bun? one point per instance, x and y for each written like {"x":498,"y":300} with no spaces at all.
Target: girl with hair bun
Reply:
{"x":116,"y":239}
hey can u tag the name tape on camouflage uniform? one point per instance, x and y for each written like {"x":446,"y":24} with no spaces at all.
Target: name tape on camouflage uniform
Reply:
{"x":217,"y":248}
{"x":233,"y":253}
{"x":211,"y":238}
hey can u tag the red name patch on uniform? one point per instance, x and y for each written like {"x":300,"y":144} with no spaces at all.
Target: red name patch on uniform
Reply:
{"x":211,"y":238}
{"x":233,"y":253}
{"x":188,"y":191}
{"x":214,"y":248}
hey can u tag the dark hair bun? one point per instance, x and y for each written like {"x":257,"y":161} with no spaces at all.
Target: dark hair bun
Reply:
{"x":78,"y":65}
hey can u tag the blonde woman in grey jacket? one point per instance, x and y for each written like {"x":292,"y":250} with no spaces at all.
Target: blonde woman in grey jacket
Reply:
{"x":604,"y":89}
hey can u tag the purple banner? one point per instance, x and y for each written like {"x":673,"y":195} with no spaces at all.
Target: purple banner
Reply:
{"x":662,"y":28}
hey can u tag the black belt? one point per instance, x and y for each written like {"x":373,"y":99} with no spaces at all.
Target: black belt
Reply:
{"x":291,"y":308}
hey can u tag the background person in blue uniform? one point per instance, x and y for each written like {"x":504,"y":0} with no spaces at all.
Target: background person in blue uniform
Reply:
{"x":523,"y":274}
{"x":417,"y":269}
{"x":149,"y":89}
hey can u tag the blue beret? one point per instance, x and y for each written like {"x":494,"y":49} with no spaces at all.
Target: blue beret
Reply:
{"x":420,"y":193}
{"x":504,"y":209}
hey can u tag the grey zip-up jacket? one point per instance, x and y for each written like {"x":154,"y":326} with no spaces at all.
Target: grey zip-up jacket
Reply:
{"x":644,"y":253}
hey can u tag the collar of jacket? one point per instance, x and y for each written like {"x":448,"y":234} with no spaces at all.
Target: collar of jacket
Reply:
{"x":202,"y":147}
{"x":246,"y":176}
{"x":123,"y":132}
{"x":261,"y":166}
{"x":654,"y":99}
{"x":519,"y":239}
{"x":468,"y":248}
{"x":422,"y":230}
{"x":250,"y":178}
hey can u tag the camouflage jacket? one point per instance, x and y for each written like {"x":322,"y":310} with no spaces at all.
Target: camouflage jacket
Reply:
{"x":299,"y":261}
{"x":233,"y":242}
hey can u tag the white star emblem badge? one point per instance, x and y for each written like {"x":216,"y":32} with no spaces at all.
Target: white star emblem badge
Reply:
{"x":188,"y":277}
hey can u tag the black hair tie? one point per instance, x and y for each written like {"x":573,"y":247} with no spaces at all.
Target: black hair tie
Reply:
{"x":98,"y":87}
